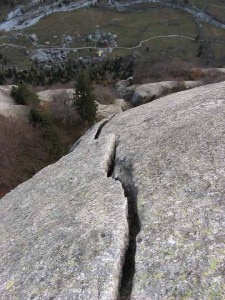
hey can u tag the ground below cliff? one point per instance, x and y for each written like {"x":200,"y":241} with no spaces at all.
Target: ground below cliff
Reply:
{"x":53,"y":32}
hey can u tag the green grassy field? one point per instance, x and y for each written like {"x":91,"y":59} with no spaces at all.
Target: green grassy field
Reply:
{"x":131,"y":28}
{"x":7,"y":6}
{"x":216,"y":8}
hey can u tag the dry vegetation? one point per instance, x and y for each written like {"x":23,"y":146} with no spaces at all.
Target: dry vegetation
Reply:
{"x":161,"y":71}
{"x":175,"y":70}
{"x":21,"y":153}
{"x":105,"y":94}
{"x":26,"y":146}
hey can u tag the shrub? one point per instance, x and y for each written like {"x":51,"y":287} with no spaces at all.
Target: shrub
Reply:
{"x":104,"y":94}
{"x":24,"y":96}
{"x":196,"y":73}
{"x":213,"y":76}
{"x":63,"y":111}
{"x":161,"y":71}
{"x":207,"y":76}
{"x":39,"y":118}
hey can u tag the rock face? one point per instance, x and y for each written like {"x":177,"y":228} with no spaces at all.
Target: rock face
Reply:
{"x":64,"y":232}
{"x":48,"y":95}
{"x":172,"y":152}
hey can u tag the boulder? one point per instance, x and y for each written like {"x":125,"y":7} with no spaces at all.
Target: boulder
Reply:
{"x":122,"y":103}
{"x":141,"y":94}
{"x":158,"y":168}
{"x":128,"y":92}
{"x":33,"y":37}
{"x":105,"y":111}
{"x":8,"y":110}
{"x":191,"y":84}
{"x":40,"y":56}
{"x":122,"y":85}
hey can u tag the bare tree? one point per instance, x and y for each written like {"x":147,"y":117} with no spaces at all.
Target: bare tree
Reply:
{"x":63,"y":110}
{"x":21,"y":153}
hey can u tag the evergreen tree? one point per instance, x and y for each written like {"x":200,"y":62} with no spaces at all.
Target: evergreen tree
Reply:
{"x":24,"y":96}
{"x":84,"y":98}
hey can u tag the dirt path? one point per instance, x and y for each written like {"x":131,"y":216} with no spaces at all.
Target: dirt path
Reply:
{"x":43,"y":47}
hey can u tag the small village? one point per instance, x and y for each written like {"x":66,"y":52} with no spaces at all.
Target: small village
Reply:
{"x":100,"y":42}
{"x":103,"y":39}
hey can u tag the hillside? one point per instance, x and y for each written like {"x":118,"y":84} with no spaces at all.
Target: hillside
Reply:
{"x":54,"y":32}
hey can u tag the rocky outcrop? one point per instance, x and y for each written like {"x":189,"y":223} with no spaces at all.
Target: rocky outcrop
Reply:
{"x":49,"y":95}
{"x":144,"y":93}
{"x":64,"y":232}
{"x":33,"y":37}
{"x":171,"y":152}
{"x":8,"y":107}
{"x":49,"y":55}
{"x":159,"y":168}
{"x":105,"y":111}
{"x":122,"y":85}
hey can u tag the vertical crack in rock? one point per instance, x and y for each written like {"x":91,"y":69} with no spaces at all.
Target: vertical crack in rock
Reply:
{"x":130,"y":192}
{"x":122,"y":171}
{"x":111,"y":164}
{"x":126,"y":178}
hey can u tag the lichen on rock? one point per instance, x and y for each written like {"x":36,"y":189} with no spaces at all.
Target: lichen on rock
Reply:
{"x":64,"y":233}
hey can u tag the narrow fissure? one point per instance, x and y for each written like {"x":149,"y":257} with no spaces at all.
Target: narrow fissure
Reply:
{"x":101,"y":125}
{"x":99,"y":129}
{"x":111,"y":166}
{"x":134,"y":228}
{"x":130,"y":192}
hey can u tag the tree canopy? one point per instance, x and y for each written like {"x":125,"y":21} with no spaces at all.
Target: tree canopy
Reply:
{"x":84,"y":98}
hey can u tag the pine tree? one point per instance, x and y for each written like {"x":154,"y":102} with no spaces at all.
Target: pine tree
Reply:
{"x":24,"y":96}
{"x":84,"y":98}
